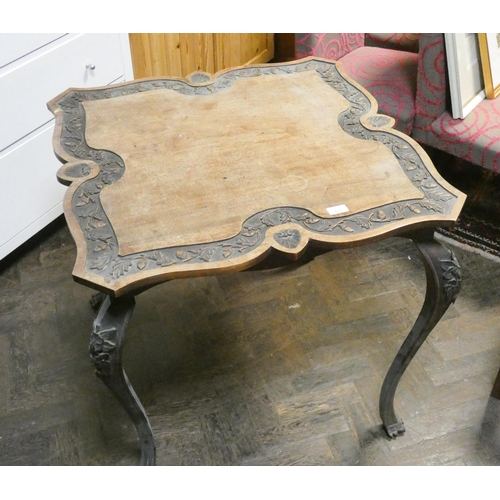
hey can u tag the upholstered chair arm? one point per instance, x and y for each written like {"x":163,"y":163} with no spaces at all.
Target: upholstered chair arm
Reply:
{"x":431,"y":83}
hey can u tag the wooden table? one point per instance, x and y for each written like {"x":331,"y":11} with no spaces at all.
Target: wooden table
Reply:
{"x":253,"y":166}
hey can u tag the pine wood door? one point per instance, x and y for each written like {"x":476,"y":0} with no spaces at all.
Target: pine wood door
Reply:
{"x":179,"y":54}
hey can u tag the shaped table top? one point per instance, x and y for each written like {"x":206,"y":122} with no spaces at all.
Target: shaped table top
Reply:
{"x":174,"y":178}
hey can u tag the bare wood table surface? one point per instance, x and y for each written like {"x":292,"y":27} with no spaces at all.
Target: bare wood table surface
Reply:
{"x":173,"y":178}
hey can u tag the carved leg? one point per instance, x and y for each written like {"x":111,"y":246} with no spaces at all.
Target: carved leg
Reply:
{"x":106,"y":345}
{"x":443,"y":283}
{"x":96,"y":300}
{"x":495,"y":392}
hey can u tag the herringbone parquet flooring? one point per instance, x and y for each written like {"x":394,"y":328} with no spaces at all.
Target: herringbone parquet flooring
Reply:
{"x":278,"y":367}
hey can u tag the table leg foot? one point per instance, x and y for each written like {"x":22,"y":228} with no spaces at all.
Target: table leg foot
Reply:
{"x":443,"y":284}
{"x":106,"y":346}
{"x":395,"y":430}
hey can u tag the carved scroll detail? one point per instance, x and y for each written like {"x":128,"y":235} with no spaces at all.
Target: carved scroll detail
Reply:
{"x":102,"y":343}
{"x":379,"y":120}
{"x":289,"y":238}
{"x":452,"y":277}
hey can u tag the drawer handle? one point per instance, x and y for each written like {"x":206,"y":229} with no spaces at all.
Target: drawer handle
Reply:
{"x":91,"y":67}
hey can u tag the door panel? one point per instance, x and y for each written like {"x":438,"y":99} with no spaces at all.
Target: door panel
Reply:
{"x":179,"y":54}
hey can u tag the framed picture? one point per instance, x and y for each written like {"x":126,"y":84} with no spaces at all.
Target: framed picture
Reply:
{"x":464,"y":72}
{"x":489,"y":45}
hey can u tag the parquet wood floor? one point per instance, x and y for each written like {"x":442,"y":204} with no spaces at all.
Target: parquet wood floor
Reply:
{"x":276,"y":367}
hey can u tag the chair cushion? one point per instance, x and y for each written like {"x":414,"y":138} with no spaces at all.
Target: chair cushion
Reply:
{"x":390,"y":76}
{"x":476,"y":138}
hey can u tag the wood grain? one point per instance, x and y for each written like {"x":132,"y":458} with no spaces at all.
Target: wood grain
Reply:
{"x":216,"y":161}
{"x":179,"y":54}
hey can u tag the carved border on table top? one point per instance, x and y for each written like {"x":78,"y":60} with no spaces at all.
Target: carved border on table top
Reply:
{"x":102,"y":245}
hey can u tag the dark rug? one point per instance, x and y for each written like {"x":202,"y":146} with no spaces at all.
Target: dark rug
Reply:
{"x":478,"y":226}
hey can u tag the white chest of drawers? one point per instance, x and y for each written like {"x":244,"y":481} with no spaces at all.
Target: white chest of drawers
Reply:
{"x":34,"y":68}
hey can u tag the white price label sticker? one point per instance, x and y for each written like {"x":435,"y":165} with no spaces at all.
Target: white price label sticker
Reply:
{"x":338,"y":209}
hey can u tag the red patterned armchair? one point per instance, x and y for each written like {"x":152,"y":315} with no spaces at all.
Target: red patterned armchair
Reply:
{"x":385,"y":64}
{"x":476,"y":138}
{"x":407,"y":75}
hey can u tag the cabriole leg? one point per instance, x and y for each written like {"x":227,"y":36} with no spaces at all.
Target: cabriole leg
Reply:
{"x":443,"y":284}
{"x":106,"y":345}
